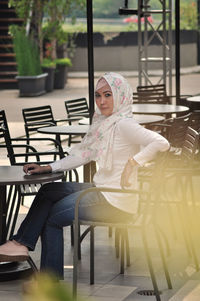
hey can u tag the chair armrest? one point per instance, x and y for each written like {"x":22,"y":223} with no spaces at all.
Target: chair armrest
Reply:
{"x":54,"y":141}
{"x":47,"y":123}
{"x":68,"y":119}
{"x":105,"y":189}
{"x":36,"y":154}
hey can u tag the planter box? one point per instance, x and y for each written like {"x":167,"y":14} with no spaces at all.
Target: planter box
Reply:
{"x":60,"y":78}
{"x":32,"y":85}
{"x":49,"y":82}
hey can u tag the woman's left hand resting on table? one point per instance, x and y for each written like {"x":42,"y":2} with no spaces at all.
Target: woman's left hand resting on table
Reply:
{"x":128,"y":168}
{"x":33,"y":168}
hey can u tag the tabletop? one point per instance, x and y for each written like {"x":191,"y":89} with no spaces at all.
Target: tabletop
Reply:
{"x":65,"y":129}
{"x":158,"y":109}
{"x":140,"y":118}
{"x":14,"y":175}
{"x":194,"y":98}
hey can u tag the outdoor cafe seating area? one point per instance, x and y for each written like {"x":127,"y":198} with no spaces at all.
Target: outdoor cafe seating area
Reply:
{"x":149,"y":258}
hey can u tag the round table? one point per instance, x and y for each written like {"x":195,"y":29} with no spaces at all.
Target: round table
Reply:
{"x":65,"y":129}
{"x":194,"y":102}
{"x":193,"y":98}
{"x":163,"y":109}
{"x":140,"y":118}
{"x":14,"y":175}
{"x":70,"y":130}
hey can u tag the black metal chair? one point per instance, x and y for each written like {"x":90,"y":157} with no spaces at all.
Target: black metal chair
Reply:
{"x":180,"y":169}
{"x":37,"y":117}
{"x":152,"y":94}
{"x":140,"y":222}
{"x":174,"y":129}
{"x":195,"y":120}
{"x":20,"y":153}
{"x":76,"y":108}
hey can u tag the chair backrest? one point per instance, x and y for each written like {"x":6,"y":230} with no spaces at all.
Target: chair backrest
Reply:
{"x":18,"y":149}
{"x":37,"y":117}
{"x":5,"y":138}
{"x":151,"y":94}
{"x":195,"y":120}
{"x":190,"y":144}
{"x":177,"y":128}
{"x":77,"y":107}
{"x":153,"y":89}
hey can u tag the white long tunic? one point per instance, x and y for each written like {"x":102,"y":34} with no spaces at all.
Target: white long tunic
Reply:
{"x":130,"y":140}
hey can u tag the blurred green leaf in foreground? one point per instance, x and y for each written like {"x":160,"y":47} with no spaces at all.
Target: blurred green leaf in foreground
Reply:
{"x":46,"y":288}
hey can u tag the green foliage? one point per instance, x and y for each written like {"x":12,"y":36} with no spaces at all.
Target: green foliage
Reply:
{"x":46,"y":288}
{"x":22,"y":8}
{"x":48,"y":63}
{"x":63,"y":61}
{"x":27,"y":53}
{"x":59,"y":34}
{"x":54,"y":13}
{"x":106,"y":9}
{"x":188,"y":13}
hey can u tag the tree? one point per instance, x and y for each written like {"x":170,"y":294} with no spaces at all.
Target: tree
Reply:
{"x":54,"y":11}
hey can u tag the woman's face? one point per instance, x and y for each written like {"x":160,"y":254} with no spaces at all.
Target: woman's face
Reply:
{"x":104,"y":100}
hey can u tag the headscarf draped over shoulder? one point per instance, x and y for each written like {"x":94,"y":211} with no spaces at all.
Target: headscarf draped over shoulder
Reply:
{"x":98,"y":142}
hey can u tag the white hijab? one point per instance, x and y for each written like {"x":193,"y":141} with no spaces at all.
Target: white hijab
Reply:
{"x":98,"y":142}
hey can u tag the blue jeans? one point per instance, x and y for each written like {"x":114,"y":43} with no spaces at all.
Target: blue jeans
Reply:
{"x":53,"y":209}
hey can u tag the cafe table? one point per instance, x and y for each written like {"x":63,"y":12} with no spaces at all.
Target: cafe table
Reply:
{"x":14,"y":175}
{"x":83,"y":126}
{"x":161,"y":109}
{"x":140,"y":118}
{"x":64,"y":129}
{"x":194,"y":102}
{"x":193,"y":98}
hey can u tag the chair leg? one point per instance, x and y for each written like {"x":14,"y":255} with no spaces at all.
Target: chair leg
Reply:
{"x":128,"y":261}
{"x":167,"y":276}
{"x":79,"y":242}
{"x":92,"y":255}
{"x":75,"y":260}
{"x":72,"y":235}
{"x":117,"y":239}
{"x":32,"y":264}
{"x":109,"y":231}
{"x":122,"y":253}
{"x":150,"y":265}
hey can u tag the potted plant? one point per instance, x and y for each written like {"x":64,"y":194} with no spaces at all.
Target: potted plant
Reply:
{"x":30,"y":78}
{"x":62,"y":65}
{"x":49,"y":66}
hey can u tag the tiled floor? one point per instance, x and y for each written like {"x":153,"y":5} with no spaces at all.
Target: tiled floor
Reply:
{"x":109,"y":284}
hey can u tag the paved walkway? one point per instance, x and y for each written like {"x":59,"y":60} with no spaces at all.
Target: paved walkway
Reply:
{"x":109,"y":284}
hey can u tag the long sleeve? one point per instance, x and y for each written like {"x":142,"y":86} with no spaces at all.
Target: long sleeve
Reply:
{"x":150,"y":141}
{"x":68,"y":163}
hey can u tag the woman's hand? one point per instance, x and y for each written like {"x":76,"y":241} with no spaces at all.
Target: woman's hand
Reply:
{"x":34,"y":168}
{"x":127,"y":172}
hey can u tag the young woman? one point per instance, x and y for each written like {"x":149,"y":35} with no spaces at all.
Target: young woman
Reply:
{"x":119,"y":145}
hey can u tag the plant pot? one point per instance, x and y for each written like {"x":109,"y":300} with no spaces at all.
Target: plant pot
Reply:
{"x":60,"y":78}
{"x":49,"y":83}
{"x":32,"y":85}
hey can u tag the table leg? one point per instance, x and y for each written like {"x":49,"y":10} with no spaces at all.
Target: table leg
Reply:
{"x":2,"y":214}
{"x":89,"y":170}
